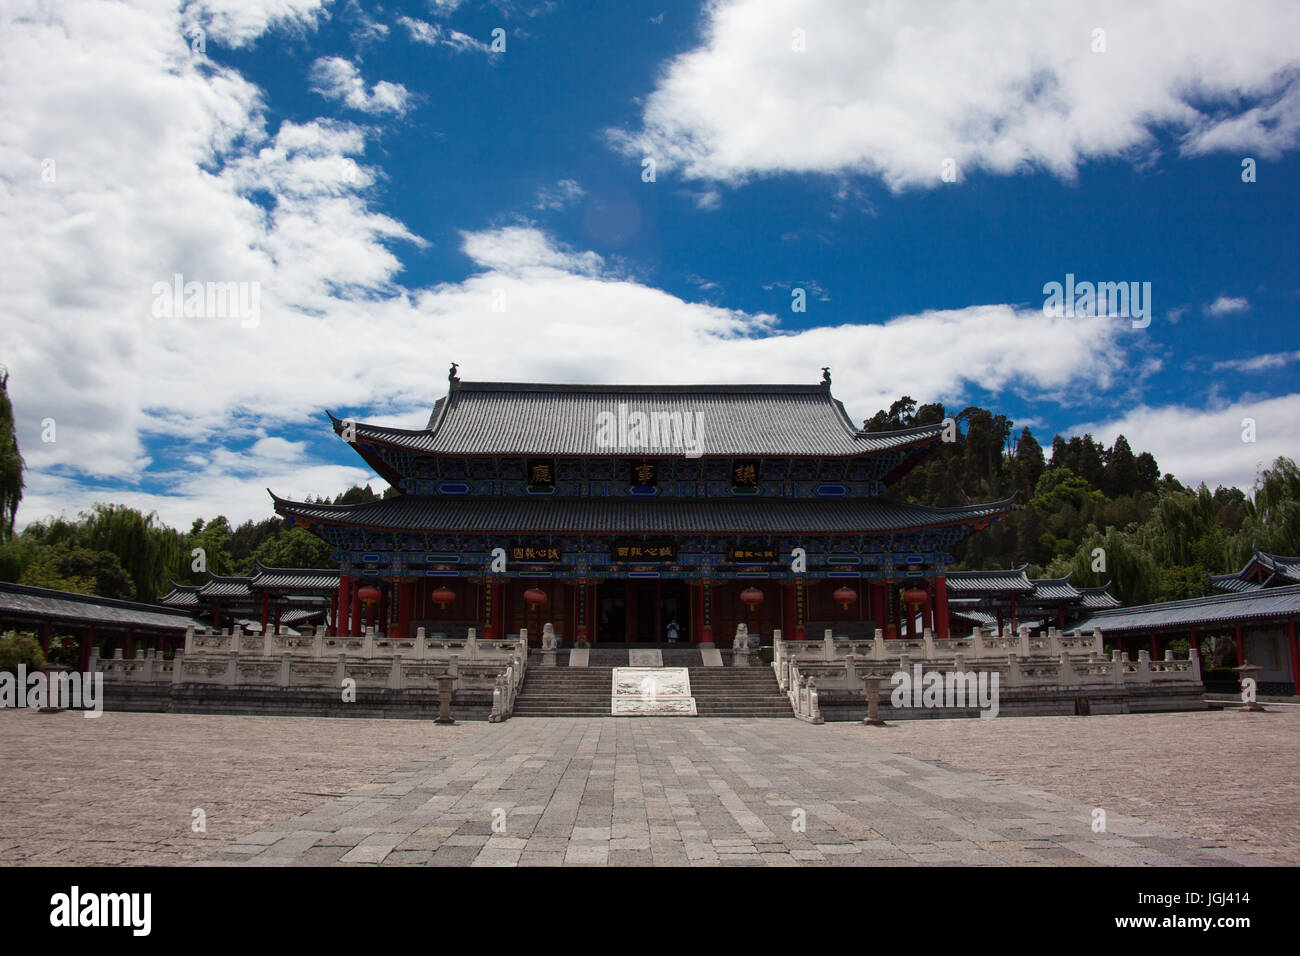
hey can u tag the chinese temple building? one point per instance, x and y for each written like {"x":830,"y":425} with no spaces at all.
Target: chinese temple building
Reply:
{"x":273,"y":598}
{"x":1000,"y":598}
{"x":615,"y":511}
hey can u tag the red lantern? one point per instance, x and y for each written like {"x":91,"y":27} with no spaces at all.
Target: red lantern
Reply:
{"x":845,"y":596}
{"x":443,"y":596}
{"x":916,"y":597}
{"x":752,"y":597}
{"x":535,"y":596}
{"x":369,"y":595}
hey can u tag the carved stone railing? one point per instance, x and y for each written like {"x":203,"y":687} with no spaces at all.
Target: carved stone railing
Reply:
{"x":981,"y":644}
{"x":321,"y":644}
{"x":802,"y":690}
{"x":1051,"y":659}
{"x":507,"y":686}
{"x":234,"y":659}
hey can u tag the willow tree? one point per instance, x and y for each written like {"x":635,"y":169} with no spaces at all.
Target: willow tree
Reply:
{"x":150,"y":551}
{"x":11,"y":463}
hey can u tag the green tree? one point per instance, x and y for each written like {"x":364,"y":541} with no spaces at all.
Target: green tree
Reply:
{"x":11,"y":463}
{"x":296,"y":548}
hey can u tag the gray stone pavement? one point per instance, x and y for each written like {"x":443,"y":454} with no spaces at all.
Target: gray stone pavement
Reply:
{"x":678,"y":791}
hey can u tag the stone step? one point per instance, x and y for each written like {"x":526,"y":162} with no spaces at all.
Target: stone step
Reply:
{"x":586,"y":691}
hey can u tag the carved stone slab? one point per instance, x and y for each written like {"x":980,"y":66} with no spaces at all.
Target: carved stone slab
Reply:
{"x":645,"y":658}
{"x":652,"y":692}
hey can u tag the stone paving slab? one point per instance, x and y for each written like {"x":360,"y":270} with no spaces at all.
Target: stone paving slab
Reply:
{"x":738,"y":792}
{"x":120,"y":789}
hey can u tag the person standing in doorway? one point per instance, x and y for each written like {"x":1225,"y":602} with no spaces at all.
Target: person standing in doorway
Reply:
{"x":672,"y":631}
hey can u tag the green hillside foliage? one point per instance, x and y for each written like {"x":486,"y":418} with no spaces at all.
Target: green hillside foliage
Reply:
{"x":1105,"y":514}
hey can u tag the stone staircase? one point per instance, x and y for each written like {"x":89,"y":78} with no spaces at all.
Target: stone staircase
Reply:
{"x":585,"y":691}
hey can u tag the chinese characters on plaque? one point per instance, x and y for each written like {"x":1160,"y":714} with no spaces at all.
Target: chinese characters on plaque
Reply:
{"x":645,"y":474}
{"x":534,"y":552}
{"x":744,"y":473}
{"x":643,"y":550}
{"x":541,"y":473}
{"x":754,"y":555}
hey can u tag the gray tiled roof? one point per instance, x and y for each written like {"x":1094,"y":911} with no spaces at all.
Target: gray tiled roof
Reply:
{"x":1275,"y":570}
{"x":294,"y":579}
{"x":1001,"y":581}
{"x":1097,"y":599}
{"x":21,"y":601}
{"x":1252,"y":606}
{"x":504,"y":418}
{"x":619,"y":515}
{"x":1054,"y":589}
{"x":181,"y":595}
{"x":221,"y":588}
{"x":1233,"y":582}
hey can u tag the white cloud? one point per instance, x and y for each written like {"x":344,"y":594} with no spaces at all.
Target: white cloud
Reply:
{"x":1205,"y":444}
{"x":1258,"y":363}
{"x":560,"y":196}
{"x":165,"y":166}
{"x":434,"y":34}
{"x":893,"y":89}
{"x":336,"y":79}
{"x":1226,"y":305}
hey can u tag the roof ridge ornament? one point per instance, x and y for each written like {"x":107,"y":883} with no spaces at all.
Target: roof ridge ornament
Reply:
{"x":451,"y":375}
{"x":826,"y":375}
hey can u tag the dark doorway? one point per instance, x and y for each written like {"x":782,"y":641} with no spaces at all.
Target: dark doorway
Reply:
{"x":640,"y":611}
{"x":611,"y":612}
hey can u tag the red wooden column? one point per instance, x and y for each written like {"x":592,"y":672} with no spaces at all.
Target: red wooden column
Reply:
{"x":941,"y":607}
{"x":1295,"y":655}
{"x":1015,"y":622}
{"x":580,"y":608}
{"x":216,"y":615}
{"x":342,"y":606}
{"x":404,"y":609}
{"x":706,"y":611}
{"x":1196,"y":642}
{"x":789,"y":610}
{"x":383,"y":611}
{"x":1241,"y":646}
{"x":354,"y":629}
{"x":277,"y":618}
{"x":84,"y":651}
{"x":266,"y":610}
{"x":45,"y":638}
{"x":1155,"y":648}
{"x":891,"y":610}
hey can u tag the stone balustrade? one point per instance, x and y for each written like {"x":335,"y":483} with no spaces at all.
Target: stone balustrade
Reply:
{"x":321,"y":644}
{"x":230,"y":658}
{"x":982,"y":644}
{"x":1051,"y":659}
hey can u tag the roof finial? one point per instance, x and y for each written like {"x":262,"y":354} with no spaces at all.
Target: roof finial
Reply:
{"x":451,"y":375}
{"x":826,"y":375}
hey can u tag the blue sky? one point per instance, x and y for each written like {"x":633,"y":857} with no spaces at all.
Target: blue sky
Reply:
{"x":380,"y":173}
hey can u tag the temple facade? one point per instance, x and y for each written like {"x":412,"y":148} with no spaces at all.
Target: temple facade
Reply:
{"x":639,"y":514}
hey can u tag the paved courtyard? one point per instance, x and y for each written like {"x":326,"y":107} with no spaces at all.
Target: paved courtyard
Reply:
{"x":1213,"y":788}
